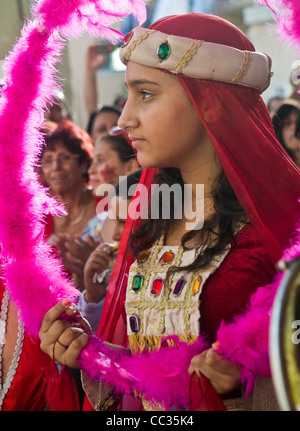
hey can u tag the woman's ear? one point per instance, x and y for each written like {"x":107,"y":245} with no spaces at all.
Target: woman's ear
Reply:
{"x":212,"y":109}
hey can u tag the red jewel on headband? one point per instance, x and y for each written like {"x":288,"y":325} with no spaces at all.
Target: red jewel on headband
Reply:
{"x":127,"y":39}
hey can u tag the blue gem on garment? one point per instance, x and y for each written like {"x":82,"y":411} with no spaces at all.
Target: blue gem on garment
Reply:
{"x":164,"y":51}
{"x":134,"y":323}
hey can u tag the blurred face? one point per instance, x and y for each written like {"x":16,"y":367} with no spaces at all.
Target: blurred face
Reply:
{"x":61,"y":170}
{"x":289,"y":125}
{"x":121,"y":206}
{"x":162,"y":122}
{"x":103,"y":123}
{"x":106,"y":165}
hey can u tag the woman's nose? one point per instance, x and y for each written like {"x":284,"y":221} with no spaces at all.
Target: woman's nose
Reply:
{"x":91,"y":169}
{"x":128,"y":118}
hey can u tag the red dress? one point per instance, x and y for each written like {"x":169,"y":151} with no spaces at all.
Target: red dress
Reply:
{"x":36,"y":383}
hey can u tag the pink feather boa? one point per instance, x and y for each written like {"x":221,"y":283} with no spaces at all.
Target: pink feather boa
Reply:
{"x":35,"y":278}
{"x":287,"y":17}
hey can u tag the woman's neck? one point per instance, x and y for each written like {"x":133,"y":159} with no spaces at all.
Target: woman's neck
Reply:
{"x":74,"y":199}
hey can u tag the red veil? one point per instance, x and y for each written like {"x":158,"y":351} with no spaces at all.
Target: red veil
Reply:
{"x":265,"y":180}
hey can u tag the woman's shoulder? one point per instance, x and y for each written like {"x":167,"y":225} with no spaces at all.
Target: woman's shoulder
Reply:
{"x":247,"y":241}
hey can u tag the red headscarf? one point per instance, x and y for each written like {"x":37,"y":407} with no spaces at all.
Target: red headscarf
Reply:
{"x":265,"y":180}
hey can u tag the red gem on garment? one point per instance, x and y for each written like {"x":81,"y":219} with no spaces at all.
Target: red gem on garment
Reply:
{"x":156,"y":286}
{"x":167,"y":257}
{"x":127,"y":39}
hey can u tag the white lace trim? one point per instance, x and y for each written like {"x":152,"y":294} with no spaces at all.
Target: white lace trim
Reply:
{"x":17,"y":353}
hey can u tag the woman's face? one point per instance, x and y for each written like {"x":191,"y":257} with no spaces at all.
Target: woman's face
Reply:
{"x":164,"y":126}
{"x":103,"y":123}
{"x":61,"y":169}
{"x":106,"y":165}
{"x":289,"y":125}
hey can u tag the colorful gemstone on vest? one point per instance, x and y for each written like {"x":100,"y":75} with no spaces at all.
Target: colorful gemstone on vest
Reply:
{"x":134,"y":323}
{"x":164,"y":51}
{"x":197,"y":285}
{"x":156,"y":286}
{"x":143,"y":256}
{"x":166,"y":258}
{"x":137,"y":282}
{"x":179,"y":286}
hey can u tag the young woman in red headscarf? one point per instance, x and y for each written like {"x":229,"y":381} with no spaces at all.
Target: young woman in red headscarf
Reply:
{"x":195,"y":116}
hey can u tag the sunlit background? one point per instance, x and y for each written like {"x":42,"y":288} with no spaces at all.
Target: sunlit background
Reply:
{"x":254,"y":19}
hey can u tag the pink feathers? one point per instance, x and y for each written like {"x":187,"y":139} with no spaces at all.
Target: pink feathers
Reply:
{"x":72,"y":17}
{"x":161,"y":375}
{"x":33,"y":276}
{"x":287,"y":16}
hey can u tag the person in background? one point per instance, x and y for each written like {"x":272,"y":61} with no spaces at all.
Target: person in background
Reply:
{"x":101,"y":118}
{"x":285,"y":119}
{"x":113,"y":157}
{"x":99,"y":265}
{"x":58,"y":110}
{"x":273,"y":103}
{"x":65,"y":161}
{"x":102,"y":121}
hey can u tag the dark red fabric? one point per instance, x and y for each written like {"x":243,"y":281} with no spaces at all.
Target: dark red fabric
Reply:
{"x":203,"y":397}
{"x":37,"y":382}
{"x":62,"y":392}
{"x":226,"y":293}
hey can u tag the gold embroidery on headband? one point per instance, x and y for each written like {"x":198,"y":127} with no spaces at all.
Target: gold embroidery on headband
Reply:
{"x":244,"y":69}
{"x":137,"y":42}
{"x":271,"y":74}
{"x":187,"y":56}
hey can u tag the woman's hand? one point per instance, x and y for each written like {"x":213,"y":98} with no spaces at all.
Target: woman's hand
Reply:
{"x":64,"y":339}
{"x":94,"y":60}
{"x":75,"y":251}
{"x":99,"y":261}
{"x":223,"y":376}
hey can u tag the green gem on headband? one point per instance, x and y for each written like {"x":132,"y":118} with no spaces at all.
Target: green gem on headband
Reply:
{"x":163,"y":51}
{"x":197,"y":58}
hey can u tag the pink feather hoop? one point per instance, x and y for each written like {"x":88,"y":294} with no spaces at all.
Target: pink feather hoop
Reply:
{"x":35,"y":278}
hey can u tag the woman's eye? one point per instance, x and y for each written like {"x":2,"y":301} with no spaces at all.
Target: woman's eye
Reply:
{"x":146,"y":94}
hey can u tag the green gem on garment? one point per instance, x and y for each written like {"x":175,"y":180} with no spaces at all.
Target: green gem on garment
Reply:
{"x":164,"y":51}
{"x":137,"y":282}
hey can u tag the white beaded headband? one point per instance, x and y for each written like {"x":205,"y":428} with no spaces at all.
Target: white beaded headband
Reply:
{"x":197,"y":58}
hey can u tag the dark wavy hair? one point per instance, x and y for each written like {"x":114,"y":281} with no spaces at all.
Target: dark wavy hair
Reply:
{"x":75,"y":140}
{"x":121,"y":146}
{"x":94,"y":114}
{"x":216,"y":232}
{"x":278,"y":118}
